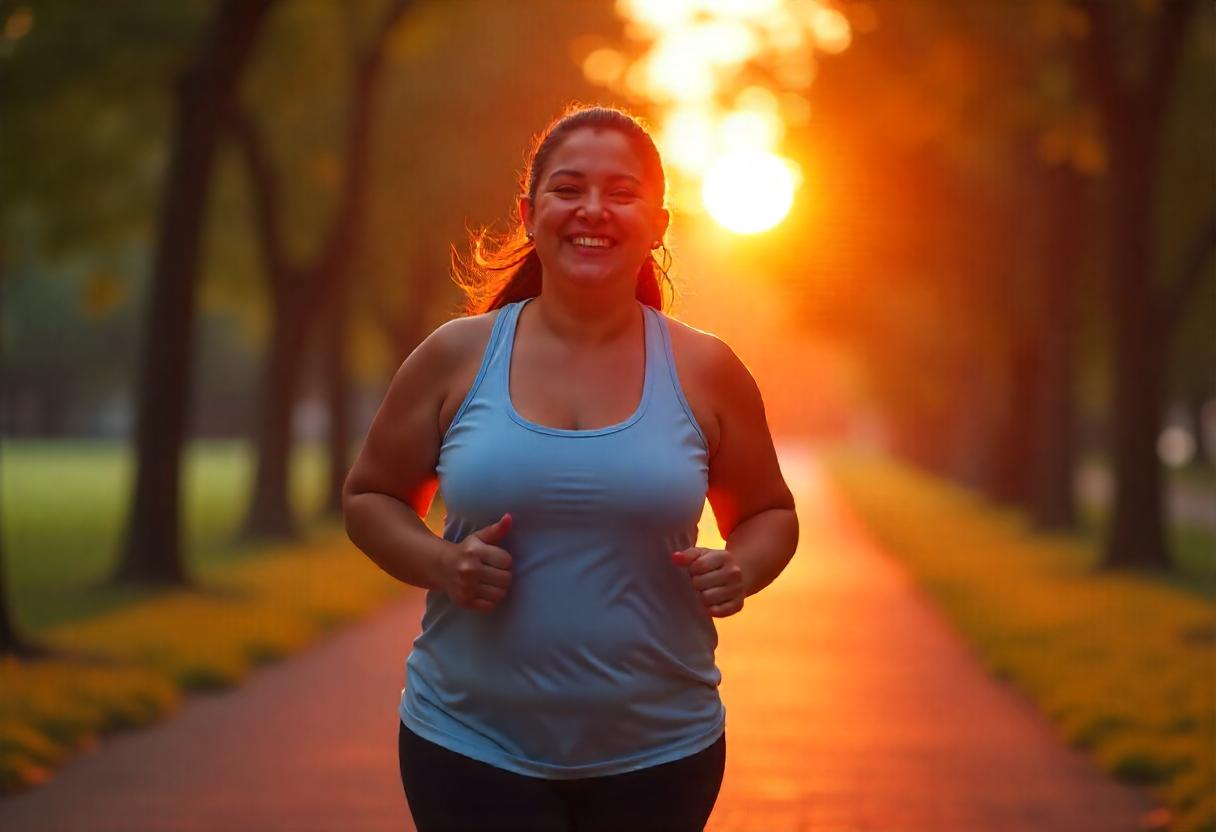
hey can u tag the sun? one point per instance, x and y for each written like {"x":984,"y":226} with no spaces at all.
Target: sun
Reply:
{"x":748,"y":191}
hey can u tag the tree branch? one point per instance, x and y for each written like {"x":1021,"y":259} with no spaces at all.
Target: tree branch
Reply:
{"x":348,"y":216}
{"x":266,"y":204}
{"x":1192,"y":271}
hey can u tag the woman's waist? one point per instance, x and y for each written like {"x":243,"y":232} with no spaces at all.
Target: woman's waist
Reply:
{"x":550,"y":732}
{"x":578,"y":652}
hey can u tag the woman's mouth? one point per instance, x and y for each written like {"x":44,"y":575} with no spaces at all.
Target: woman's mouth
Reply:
{"x":591,"y":241}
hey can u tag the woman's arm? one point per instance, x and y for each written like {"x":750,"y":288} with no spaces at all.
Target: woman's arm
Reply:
{"x":751,"y":502}
{"x":393,"y":482}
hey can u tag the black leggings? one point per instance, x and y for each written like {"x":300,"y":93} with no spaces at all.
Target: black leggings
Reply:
{"x":449,"y":792}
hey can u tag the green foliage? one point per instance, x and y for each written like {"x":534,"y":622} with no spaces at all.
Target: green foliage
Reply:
{"x":88,"y":101}
{"x":86,"y":108}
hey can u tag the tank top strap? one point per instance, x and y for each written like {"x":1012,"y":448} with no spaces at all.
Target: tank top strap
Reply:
{"x":668,"y":392}
{"x":498,"y":353}
{"x":491,"y":376}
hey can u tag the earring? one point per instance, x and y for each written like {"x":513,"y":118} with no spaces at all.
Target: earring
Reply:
{"x":655,"y":244}
{"x":528,"y":234}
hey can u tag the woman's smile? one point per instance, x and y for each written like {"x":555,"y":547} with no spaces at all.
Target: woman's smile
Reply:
{"x":587,"y":241}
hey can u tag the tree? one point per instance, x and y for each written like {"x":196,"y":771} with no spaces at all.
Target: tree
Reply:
{"x":299,"y":292}
{"x":1145,"y":310}
{"x":204,"y":91}
{"x":1052,"y":504}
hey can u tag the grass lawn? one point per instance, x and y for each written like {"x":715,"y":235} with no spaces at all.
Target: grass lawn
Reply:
{"x":1124,"y":663}
{"x":64,"y":506}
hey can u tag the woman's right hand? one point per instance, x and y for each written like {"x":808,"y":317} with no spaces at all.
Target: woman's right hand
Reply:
{"x":477,"y":572}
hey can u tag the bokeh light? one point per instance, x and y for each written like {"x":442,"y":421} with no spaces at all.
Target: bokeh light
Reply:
{"x":720,"y":124}
{"x":748,"y":191}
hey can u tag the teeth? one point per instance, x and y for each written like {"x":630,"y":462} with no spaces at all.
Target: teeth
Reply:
{"x":594,"y":242}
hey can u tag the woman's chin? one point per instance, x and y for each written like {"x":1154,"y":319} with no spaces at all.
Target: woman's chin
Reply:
{"x":593,"y":275}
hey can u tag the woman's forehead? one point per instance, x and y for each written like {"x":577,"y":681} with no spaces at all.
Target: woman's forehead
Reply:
{"x":590,"y":152}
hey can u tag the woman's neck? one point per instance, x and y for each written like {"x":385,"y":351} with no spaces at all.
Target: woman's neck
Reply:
{"x":586,"y":316}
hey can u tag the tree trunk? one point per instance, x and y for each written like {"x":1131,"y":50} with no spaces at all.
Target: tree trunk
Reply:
{"x":972,"y":437}
{"x":1136,"y":535}
{"x":337,"y":388}
{"x":11,"y":642}
{"x":270,"y":515}
{"x":10,"y":638}
{"x":1134,"y":114}
{"x":153,"y":553}
{"x":1008,"y":482}
{"x":1196,"y":397}
{"x":1053,"y":504}
{"x":308,"y":294}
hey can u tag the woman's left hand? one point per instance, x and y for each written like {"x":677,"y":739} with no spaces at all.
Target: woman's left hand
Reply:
{"x":716,"y":576}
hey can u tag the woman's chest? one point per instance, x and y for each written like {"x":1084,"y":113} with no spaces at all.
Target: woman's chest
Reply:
{"x":638,"y":476}
{"x":569,"y":390}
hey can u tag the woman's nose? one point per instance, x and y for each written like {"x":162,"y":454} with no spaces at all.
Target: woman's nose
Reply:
{"x":594,"y":206}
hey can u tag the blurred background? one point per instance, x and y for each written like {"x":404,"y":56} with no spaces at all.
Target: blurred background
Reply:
{"x":973,"y":238}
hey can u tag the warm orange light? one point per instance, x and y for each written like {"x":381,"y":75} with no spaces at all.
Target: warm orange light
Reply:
{"x":832,"y":31}
{"x":714,"y":134}
{"x":748,"y":191}
{"x":750,"y":130}
{"x":18,"y":24}
{"x":604,"y":66}
{"x":687,"y":139}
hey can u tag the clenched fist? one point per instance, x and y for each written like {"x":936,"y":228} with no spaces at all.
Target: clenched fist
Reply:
{"x":716,"y":576}
{"x":476,"y":573}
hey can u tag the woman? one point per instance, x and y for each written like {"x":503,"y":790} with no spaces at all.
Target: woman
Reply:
{"x":564,"y":678}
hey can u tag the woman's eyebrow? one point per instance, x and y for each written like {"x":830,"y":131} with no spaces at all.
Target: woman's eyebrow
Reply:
{"x":580,"y":175}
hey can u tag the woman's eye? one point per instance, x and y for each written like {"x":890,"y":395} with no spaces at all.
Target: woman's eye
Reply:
{"x":624,"y":195}
{"x":566,"y":190}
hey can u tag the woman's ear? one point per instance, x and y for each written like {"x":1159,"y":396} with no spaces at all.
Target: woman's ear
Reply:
{"x":525,"y":213}
{"x":662,"y":220}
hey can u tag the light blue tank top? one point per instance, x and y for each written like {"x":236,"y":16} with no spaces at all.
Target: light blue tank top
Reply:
{"x":600,"y":660}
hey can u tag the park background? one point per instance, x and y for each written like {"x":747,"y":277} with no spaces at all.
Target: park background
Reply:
{"x":988,"y":311}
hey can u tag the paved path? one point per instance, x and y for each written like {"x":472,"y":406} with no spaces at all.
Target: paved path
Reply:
{"x":307,"y":745}
{"x":851,"y":706}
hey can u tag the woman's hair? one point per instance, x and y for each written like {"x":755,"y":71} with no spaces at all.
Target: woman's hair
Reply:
{"x":502,"y":269}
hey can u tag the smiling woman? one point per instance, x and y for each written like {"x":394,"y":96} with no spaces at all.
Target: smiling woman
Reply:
{"x":596,"y":213}
{"x":565,"y":677}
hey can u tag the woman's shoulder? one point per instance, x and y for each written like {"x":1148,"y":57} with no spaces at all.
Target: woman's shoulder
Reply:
{"x":711,"y":377}
{"x":455,"y":352}
{"x":457,"y":341}
{"x":701,"y":355}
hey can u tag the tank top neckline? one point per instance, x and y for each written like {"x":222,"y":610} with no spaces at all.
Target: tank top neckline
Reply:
{"x":511,"y":325}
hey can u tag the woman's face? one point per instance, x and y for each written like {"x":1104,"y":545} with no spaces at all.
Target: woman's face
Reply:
{"x":595,"y":217}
